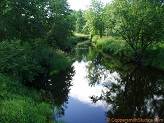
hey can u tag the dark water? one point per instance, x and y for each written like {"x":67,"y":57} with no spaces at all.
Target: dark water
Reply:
{"x":97,"y":87}
{"x":103,"y":88}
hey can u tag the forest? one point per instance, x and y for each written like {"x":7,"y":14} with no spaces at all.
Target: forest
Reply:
{"x":36,"y":35}
{"x":130,"y":28}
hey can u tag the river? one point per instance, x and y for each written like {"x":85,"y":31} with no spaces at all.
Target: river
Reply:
{"x":103,"y":90}
{"x":97,"y":88}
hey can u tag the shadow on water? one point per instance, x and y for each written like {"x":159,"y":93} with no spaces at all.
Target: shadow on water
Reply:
{"x":129,"y":91}
{"x":55,"y":89}
{"x":136,"y":91}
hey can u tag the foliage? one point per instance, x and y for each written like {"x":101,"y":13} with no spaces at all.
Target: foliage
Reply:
{"x":28,"y":62}
{"x":31,"y":19}
{"x":16,"y":59}
{"x":27,"y":32}
{"x":139,"y":22}
{"x":80,"y":21}
{"x":94,"y":18}
{"x":21,"y":104}
{"x":155,"y":57}
{"x":63,"y":25}
{"x":112,"y":45}
{"x":21,"y":19}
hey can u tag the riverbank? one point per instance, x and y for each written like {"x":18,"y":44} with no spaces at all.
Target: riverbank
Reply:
{"x":20,"y":65}
{"x":20,"y":104}
{"x":153,"y":57}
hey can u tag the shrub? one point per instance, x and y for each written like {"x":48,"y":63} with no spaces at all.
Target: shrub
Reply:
{"x":16,"y":59}
{"x":22,"y":111}
{"x":29,"y":61}
{"x":113,"y":45}
{"x":20,"y":104}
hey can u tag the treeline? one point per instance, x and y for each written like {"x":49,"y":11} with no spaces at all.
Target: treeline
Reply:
{"x":140,"y":23}
{"x":33,"y":36}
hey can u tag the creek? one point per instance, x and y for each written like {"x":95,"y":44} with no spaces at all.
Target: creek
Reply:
{"x":102,"y":88}
{"x":97,"y":89}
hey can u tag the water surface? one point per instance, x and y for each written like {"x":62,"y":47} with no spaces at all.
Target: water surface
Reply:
{"x":98,"y":86}
{"x":103,"y":88}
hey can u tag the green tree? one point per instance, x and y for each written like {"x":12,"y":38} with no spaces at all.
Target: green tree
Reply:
{"x":139,"y":22}
{"x":63,"y":25}
{"x":80,"y":21}
{"x":94,"y":17}
{"x":109,"y":20}
{"x":21,"y":19}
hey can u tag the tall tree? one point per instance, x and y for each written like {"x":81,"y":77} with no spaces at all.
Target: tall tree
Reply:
{"x":94,"y":17}
{"x":139,"y":22}
{"x":63,"y":24}
{"x":21,"y":19}
{"x":80,"y":21}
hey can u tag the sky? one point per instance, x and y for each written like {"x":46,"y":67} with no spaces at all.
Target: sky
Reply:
{"x":82,"y":4}
{"x":81,"y":89}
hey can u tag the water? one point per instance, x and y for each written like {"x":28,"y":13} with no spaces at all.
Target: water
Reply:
{"x":80,"y":107}
{"x":97,"y":87}
{"x":103,"y":88}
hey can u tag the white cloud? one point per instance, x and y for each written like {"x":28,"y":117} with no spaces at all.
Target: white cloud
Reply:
{"x":81,"y":89}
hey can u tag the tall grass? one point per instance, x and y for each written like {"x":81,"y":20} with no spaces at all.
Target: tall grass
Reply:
{"x":154,"y":55}
{"x":21,"y":63}
{"x":112,"y":45}
{"x":19,"y":104}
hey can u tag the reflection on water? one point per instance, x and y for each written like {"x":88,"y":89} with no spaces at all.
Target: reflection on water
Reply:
{"x":81,"y":89}
{"x":137,"y":92}
{"x":55,"y":89}
{"x":129,"y":91}
{"x":97,"y":87}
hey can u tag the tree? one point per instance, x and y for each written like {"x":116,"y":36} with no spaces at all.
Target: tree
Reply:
{"x":109,"y":20}
{"x":63,"y":25}
{"x":139,"y":22}
{"x":21,"y":19}
{"x":80,"y":21}
{"x":94,"y":17}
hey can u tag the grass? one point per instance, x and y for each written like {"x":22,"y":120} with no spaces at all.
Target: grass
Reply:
{"x":154,"y":56}
{"x":112,"y":45}
{"x":19,"y":104}
{"x":81,"y":35}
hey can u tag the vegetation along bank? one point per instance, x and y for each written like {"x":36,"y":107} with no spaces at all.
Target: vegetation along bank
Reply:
{"x":134,"y":29}
{"x":35,"y":34}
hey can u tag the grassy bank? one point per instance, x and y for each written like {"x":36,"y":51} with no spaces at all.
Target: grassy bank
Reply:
{"x":20,"y":64}
{"x":112,"y":45}
{"x":81,"y":37}
{"x":19,"y":104}
{"x":154,"y":56}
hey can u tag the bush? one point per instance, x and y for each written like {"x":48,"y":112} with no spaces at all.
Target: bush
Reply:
{"x":22,"y":111}
{"x":16,"y":59}
{"x":20,"y":104}
{"x":112,"y":45}
{"x":29,"y":61}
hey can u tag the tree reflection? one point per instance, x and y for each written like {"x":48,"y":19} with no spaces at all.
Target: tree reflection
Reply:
{"x":135,"y":92}
{"x":79,"y":53}
{"x":141,"y":97}
{"x":55,"y":89}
